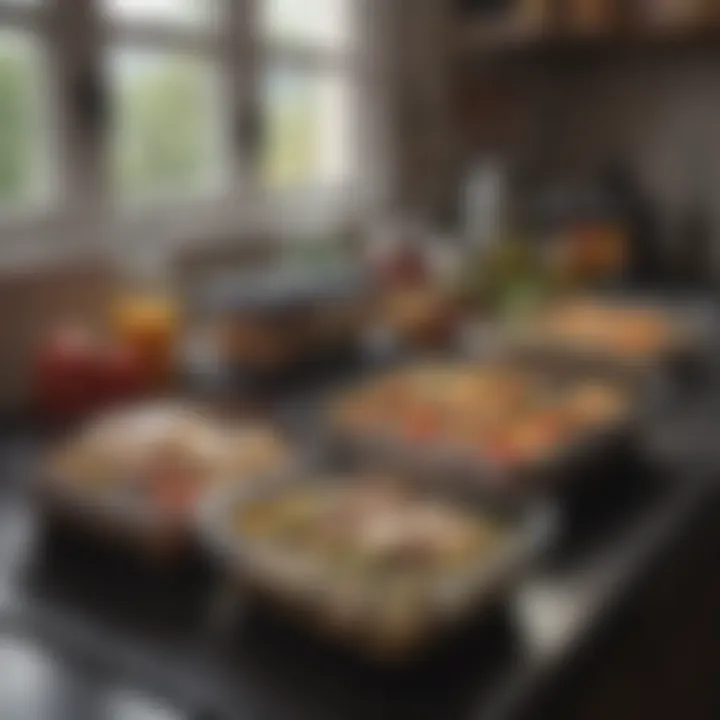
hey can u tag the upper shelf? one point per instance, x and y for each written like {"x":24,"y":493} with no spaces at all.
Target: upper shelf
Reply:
{"x":480,"y":37}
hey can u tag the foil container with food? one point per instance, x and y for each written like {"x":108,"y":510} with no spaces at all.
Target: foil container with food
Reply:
{"x":140,"y":473}
{"x":619,"y":332}
{"x":368,"y":559}
{"x":501,"y":428}
{"x":268,"y":323}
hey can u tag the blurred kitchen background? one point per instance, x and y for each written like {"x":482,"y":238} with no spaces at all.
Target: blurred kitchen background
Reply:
{"x":246,"y":203}
{"x":147,"y":144}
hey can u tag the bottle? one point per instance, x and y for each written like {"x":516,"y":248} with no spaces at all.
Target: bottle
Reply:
{"x":693,"y":259}
{"x":483,"y":205}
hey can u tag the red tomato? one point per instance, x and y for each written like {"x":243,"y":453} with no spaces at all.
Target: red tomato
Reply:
{"x":402,"y":267}
{"x":121,"y":375}
{"x":67,"y":350}
{"x":66,"y":374}
{"x":75,"y":376}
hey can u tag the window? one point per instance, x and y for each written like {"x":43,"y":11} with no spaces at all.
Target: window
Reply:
{"x":173,"y":12}
{"x":20,"y":2}
{"x":307,"y":93}
{"x":24,"y":119}
{"x":322,"y":23}
{"x":165,"y":139}
{"x":306,"y":129}
{"x":21,"y":128}
{"x":167,"y":129}
{"x":150,"y":103}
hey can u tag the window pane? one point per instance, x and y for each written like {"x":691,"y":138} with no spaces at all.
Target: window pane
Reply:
{"x":21,"y":127}
{"x":166,"y":137}
{"x":307,"y":134}
{"x":182,"y":12}
{"x":321,"y":22}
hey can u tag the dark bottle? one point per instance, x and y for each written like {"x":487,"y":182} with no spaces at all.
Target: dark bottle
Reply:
{"x":693,"y":260}
{"x":645,"y":261}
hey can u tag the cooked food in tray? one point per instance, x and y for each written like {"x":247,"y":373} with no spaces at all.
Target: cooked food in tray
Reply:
{"x":271,"y":321}
{"x":506,"y":416}
{"x":369,"y":528}
{"x":632,"y":332}
{"x":368,"y":557}
{"x":162,"y":457}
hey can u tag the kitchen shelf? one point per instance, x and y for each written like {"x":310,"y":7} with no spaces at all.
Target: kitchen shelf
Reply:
{"x":477,"y":39}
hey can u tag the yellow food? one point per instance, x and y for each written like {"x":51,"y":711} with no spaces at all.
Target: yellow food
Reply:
{"x":369,"y":526}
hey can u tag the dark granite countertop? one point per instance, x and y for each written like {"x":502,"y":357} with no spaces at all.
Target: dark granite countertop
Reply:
{"x":85,"y":635}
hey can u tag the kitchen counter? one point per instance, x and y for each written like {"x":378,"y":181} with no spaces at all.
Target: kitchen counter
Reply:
{"x":87,"y":635}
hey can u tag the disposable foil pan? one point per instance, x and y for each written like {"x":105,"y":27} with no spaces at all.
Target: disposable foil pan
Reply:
{"x":452,"y":465}
{"x":351,"y":613}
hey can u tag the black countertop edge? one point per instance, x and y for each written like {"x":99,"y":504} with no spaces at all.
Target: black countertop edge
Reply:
{"x":628,"y":559}
{"x":633,"y":562}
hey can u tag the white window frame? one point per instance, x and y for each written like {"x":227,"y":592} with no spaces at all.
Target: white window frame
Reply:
{"x":314,"y":208}
{"x":84,"y":215}
{"x":158,"y":224}
{"x":165,"y":214}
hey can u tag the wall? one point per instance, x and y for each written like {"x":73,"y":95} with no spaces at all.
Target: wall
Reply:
{"x":655,"y":106}
{"x":423,"y":134}
{"x":657,"y":110}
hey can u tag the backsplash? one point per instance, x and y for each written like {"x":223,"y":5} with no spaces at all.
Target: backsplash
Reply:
{"x":655,"y":110}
